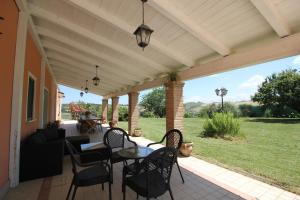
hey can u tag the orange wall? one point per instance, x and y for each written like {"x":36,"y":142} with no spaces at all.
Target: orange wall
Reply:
{"x":9,"y":11}
{"x":32,"y":65}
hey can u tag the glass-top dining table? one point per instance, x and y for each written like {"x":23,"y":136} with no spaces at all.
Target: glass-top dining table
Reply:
{"x":136,"y":153}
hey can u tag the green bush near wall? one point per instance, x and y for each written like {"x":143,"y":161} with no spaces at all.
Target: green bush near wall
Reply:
{"x":220,"y":125}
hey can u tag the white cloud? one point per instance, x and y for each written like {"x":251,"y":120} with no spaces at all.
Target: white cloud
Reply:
{"x":252,"y":82}
{"x":296,"y":61}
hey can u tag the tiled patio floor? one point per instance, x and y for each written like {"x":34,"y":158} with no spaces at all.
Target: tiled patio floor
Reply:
{"x":202,"y":181}
{"x":232,"y":181}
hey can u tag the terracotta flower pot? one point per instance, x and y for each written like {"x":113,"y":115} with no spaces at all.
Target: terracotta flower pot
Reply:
{"x":186,"y":148}
{"x":103,"y":121}
{"x":137,"y":132}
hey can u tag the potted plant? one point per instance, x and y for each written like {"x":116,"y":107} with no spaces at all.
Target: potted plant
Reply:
{"x":137,"y":132}
{"x":113,"y":124}
{"x":57,"y":123}
{"x":87,"y":114}
{"x":173,"y":76}
{"x":103,"y":120}
{"x":186,"y":148}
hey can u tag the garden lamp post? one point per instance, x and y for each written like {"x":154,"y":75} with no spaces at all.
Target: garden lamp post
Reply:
{"x":221,"y":92}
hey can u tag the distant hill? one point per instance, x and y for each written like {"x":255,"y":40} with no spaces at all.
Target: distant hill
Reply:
{"x":193,"y":106}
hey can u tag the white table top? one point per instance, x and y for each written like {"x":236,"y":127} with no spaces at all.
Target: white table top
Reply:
{"x":92,"y":146}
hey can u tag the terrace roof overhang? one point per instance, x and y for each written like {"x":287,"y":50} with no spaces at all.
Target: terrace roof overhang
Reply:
{"x":196,"y":39}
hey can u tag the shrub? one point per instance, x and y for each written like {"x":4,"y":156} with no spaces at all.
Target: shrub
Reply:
{"x":231,"y":108}
{"x":148,"y":114}
{"x":248,"y":110}
{"x":268,"y":113}
{"x":189,"y":115}
{"x":123,"y":113}
{"x":281,"y":111}
{"x":210,"y":109}
{"x":221,"y":124}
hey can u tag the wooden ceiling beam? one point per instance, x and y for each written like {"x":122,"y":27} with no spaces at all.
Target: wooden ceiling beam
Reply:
{"x":76,"y":86}
{"x":105,"y":80}
{"x":90,"y":61}
{"x":117,"y":63}
{"x":273,"y":17}
{"x":83,"y":67}
{"x":276,"y":49}
{"x":79,"y":78}
{"x":101,"y":14}
{"x":167,"y":8}
{"x":23,"y":6}
{"x":70,"y":25}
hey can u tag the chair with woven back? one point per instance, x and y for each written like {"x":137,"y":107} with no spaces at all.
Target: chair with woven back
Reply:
{"x":152,"y":176}
{"x":93,"y":173}
{"x":173,"y":138}
{"x":116,"y":139}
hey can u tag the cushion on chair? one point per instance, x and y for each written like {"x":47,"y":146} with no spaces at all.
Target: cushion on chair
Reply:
{"x":157,"y":184}
{"x":92,"y":175}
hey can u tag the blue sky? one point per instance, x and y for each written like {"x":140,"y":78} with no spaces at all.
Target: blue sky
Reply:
{"x":241,"y":84}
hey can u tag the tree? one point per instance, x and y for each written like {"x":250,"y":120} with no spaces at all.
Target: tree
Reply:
{"x":155,"y":102}
{"x":280,"y":92}
{"x":123,"y":113}
{"x":210,"y":109}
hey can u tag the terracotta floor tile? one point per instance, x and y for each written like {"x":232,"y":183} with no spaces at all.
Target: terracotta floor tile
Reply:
{"x":202,"y":181}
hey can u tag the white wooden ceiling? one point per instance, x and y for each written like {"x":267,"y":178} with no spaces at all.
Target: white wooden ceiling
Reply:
{"x":76,"y":35}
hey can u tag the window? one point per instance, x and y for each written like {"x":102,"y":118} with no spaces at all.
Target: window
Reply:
{"x":30,"y":98}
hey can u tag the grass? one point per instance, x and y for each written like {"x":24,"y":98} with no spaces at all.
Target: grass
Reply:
{"x":269,"y":152}
{"x":66,"y":116}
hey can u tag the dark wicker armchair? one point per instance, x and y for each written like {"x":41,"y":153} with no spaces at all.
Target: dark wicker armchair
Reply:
{"x":94,"y":173}
{"x":152,"y":177}
{"x":116,"y":139}
{"x":173,"y":138}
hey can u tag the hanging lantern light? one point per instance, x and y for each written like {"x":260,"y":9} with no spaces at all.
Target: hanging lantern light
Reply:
{"x":96,"y":79}
{"x":86,"y":89}
{"x":81,"y":93}
{"x":143,"y":32}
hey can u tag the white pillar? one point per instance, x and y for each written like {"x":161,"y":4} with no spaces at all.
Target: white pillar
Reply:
{"x":16,"y":115}
{"x":42,"y":85}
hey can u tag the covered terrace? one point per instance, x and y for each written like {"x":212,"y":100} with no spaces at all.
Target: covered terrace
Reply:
{"x":192,"y":38}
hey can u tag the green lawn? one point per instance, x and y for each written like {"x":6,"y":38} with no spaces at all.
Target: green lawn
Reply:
{"x":270,"y":152}
{"x":66,"y":116}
